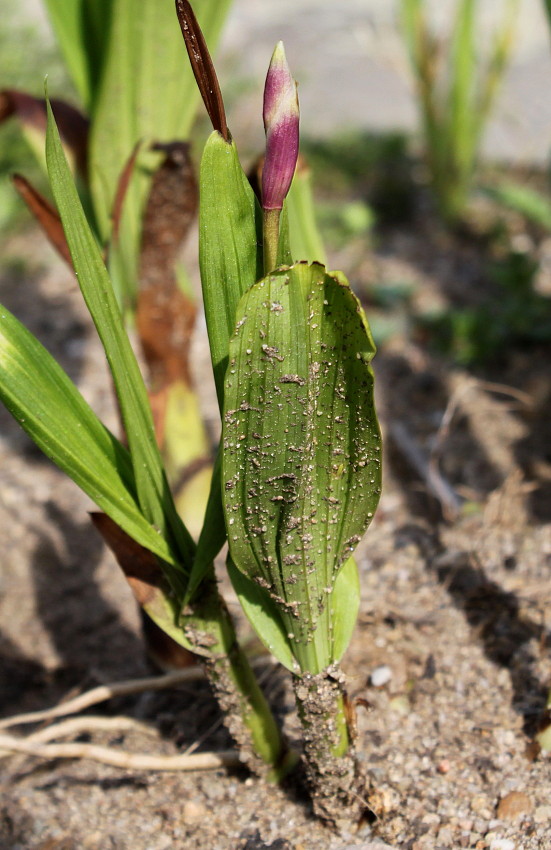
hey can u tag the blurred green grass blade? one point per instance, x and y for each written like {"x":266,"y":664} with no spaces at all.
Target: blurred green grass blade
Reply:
{"x":306,"y":241}
{"x":151,"y":484}
{"x":301,"y":462}
{"x":229,"y":256}
{"x":82,"y":30}
{"x":521,"y":199}
{"x":499,"y":57}
{"x":462,"y":72}
{"x":48,"y":406}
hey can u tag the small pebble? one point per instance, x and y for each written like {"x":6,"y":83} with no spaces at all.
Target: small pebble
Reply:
{"x":193,"y":812}
{"x":443,"y":766}
{"x":542,"y":814}
{"x":381,"y":676}
{"x":514,"y":805}
{"x":502,"y":844}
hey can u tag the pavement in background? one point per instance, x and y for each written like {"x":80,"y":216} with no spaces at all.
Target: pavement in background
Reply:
{"x":352,"y":69}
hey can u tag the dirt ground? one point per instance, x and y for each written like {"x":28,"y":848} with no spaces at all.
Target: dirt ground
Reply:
{"x":455,"y":603}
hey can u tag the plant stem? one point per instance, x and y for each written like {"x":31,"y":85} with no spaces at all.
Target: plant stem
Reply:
{"x":247,"y":714}
{"x":331,"y":768}
{"x":270,"y":220}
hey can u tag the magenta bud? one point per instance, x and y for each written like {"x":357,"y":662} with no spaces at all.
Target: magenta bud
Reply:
{"x":281,"y":120}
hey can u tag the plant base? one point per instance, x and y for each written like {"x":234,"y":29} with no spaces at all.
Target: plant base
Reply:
{"x":332,"y":771}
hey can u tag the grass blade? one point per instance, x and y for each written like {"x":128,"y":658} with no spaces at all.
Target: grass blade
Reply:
{"x":48,"y":406}
{"x":151,"y":485}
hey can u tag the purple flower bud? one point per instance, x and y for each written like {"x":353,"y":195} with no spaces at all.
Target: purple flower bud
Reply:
{"x":281,"y":119}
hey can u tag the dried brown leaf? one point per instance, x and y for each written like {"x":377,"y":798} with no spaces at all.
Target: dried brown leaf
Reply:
{"x":165,"y":315}
{"x":31,"y":111}
{"x":203,"y":68}
{"x":148,"y":584}
{"x":46,"y":215}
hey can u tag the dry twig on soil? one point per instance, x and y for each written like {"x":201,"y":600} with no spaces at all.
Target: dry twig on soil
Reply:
{"x":118,"y":758}
{"x":103,"y":693}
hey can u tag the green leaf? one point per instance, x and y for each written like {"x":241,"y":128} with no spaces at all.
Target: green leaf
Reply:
{"x":263,"y":615}
{"x":48,"y":406}
{"x":229,"y":256}
{"x":306,"y":241}
{"x":345,"y":604}
{"x":82,"y":30}
{"x":461,"y":127}
{"x":529,"y":203}
{"x":152,"y":488}
{"x":301,"y":445}
{"x":231,"y":261}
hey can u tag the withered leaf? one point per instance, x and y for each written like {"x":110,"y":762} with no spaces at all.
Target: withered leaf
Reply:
{"x":31,"y":111}
{"x":46,"y":215}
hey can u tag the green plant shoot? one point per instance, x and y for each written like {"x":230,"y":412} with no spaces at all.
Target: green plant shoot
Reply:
{"x":455,"y":95}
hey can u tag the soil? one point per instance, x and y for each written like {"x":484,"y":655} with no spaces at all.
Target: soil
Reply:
{"x":455,"y":603}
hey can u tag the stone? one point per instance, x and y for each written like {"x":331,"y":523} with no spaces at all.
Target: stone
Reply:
{"x":380,"y":676}
{"x":514,"y":805}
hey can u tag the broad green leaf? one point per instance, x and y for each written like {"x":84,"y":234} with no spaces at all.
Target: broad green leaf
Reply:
{"x":82,"y":30}
{"x":264,"y":616}
{"x":306,"y":241}
{"x":48,"y":406}
{"x":152,"y":488}
{"x":301,"y":445}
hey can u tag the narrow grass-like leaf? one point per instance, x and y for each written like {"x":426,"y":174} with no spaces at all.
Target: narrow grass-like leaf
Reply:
{"x":151,"y":485}
{"x":306,"y":241}
{"x":147,"y":580}
{"x":301,"y":445}
{"x":230,"y":258}
{"x":522,"y":199}
{"x":229,"y":254}
{"x":463,"y":70}
{"x":344,"y":604}
{"x":48,"y":406}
